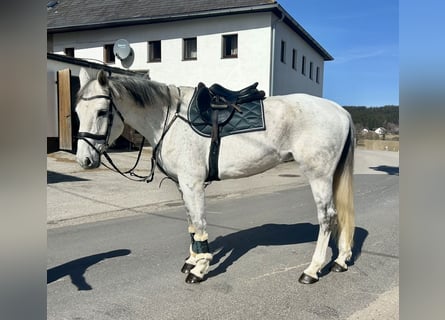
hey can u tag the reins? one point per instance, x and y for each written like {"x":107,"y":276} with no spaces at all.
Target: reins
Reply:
{"x":130,"y":174}
{"x":157,"y":148}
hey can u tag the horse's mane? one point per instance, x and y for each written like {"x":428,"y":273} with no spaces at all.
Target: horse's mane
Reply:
{"x":143,"y":91}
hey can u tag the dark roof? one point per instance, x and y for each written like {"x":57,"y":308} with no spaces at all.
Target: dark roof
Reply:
{"x":77,"y":15}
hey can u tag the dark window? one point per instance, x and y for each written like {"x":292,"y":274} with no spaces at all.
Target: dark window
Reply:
{"x":311,"y":70}
{"x":69,"y":52}
{"x":303,"y":65}
{"x":317,"y":75}
{"x":294,"y":59}
{"x":190,"y":49}
{"x":230,"y":46}
{"x":109,"y":54}
{"x":283,"y":51}
{"x":154,"y":51}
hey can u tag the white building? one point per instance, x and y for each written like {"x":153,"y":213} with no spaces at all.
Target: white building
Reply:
{"x":231,"y":42}
{"x":380,"y":131}
{"x":234,"y":43}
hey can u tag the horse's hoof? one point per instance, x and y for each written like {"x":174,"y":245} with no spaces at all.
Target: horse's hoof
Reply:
{"x":187,"y":267}
{"x":191,"y":278}
{"x":338,"y":268}
{"x":305,"y":279}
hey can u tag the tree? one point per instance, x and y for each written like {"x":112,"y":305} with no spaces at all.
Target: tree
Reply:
{"x":375,"y":117}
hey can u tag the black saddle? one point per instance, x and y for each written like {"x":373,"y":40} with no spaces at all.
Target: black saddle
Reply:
{"x":244,"y":95}
{"x":217,"y":104}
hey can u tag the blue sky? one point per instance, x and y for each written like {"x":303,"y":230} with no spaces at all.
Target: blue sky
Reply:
{"x":362,"y":36}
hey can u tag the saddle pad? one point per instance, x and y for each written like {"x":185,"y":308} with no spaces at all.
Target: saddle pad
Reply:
{"x":252,"y":119}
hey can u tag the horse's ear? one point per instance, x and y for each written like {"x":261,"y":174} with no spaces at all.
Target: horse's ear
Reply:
{"x":84,"y":77}
{"x":102,"y":78}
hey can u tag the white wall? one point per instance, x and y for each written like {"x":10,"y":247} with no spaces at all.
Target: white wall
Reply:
{"x":252,"y":64}
{"x":288,"y":80}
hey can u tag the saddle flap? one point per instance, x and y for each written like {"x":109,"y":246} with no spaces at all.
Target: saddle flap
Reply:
{"x":203,"y":100}
{"x":206,"y":105}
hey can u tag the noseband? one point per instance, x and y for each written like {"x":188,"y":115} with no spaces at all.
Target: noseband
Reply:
{"x":105,"y":137}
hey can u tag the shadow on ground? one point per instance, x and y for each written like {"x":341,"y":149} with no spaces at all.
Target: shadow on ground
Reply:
{"x":393,"y":171}
{"x":76,"y":269}
{"x":55,"y":177}
{"x":229,"y":248}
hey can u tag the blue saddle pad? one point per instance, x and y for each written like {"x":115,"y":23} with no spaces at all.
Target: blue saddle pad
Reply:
{"x":251,"y":119}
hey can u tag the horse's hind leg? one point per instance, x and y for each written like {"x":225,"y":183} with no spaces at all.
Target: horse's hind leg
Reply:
{"x":322,"y":192}
{"x":197,"y":264}
{"x":345,"y":253}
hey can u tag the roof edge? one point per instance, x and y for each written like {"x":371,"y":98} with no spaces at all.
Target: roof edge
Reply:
{"x":160,"y":19}
{"x":276,"y":8}
{"x":294,"y":25}
{"x":88,"y":64}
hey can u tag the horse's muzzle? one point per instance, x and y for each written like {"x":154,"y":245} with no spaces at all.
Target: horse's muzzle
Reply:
{"x":88,"y":163}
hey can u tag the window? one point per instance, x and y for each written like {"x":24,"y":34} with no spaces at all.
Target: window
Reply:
{"x":109,"y":54}
{"x":230,"y":46}
{"x":283,"y":51}
{"x":189,"y":49}
{"x":303,"y":66}
{"x":311,"y":70}
{"x":154,"y":51}
{"x":294,"y":59}
{"x":69,"y":52}
{"x":317,"y":75}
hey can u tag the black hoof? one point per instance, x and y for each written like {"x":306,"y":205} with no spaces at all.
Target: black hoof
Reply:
{"x":338,"y":268}
{"x":187,"y":267}
{"x":305,"y":279}
{"x":191,"y":278}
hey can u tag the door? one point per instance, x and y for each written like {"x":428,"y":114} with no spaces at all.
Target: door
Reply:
{"x":64,"y":101}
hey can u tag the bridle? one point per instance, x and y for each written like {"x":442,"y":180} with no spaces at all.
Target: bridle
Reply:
{"x":106,"y":137}
{"x":110,"y":115}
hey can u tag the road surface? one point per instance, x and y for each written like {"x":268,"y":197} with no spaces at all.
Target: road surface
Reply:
{"x":128,"y":268}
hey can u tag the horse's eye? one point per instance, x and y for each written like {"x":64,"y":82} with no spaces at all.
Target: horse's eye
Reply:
{"x":102,"y":113}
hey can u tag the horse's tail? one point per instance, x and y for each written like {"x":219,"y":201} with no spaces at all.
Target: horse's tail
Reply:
{"x":343,"y":191}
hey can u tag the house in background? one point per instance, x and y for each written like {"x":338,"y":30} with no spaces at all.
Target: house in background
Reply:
{"x":380,"y":131}
{"x":231,"y":42}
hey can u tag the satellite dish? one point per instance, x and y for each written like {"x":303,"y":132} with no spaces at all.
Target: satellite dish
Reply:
{"x":124,"y":52}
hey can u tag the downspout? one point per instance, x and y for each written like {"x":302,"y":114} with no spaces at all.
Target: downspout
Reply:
{"x":272,"y":55}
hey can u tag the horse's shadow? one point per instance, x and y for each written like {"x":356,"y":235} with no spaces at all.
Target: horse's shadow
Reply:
{"x":236,"y":244}
{"x":393,"y":171}
{"x":76,"y":268}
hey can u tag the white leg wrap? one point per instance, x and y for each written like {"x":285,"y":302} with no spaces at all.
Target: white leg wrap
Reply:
{"x":202,"y":264}
{"x":201,"y":237}
{"x":191,"y":229}
{"x":192,"y":258}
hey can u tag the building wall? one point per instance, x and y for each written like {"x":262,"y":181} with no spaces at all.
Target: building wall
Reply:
{"x":252,"y":64}
{"x":287,"y":79}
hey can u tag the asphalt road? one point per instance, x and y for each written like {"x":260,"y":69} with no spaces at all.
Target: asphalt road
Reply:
{"x":128,"y":268}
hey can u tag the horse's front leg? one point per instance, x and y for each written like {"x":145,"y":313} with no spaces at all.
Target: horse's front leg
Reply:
{"x":197,"y":264}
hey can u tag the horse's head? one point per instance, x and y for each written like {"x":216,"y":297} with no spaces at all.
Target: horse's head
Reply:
{"x":100,"y":122}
